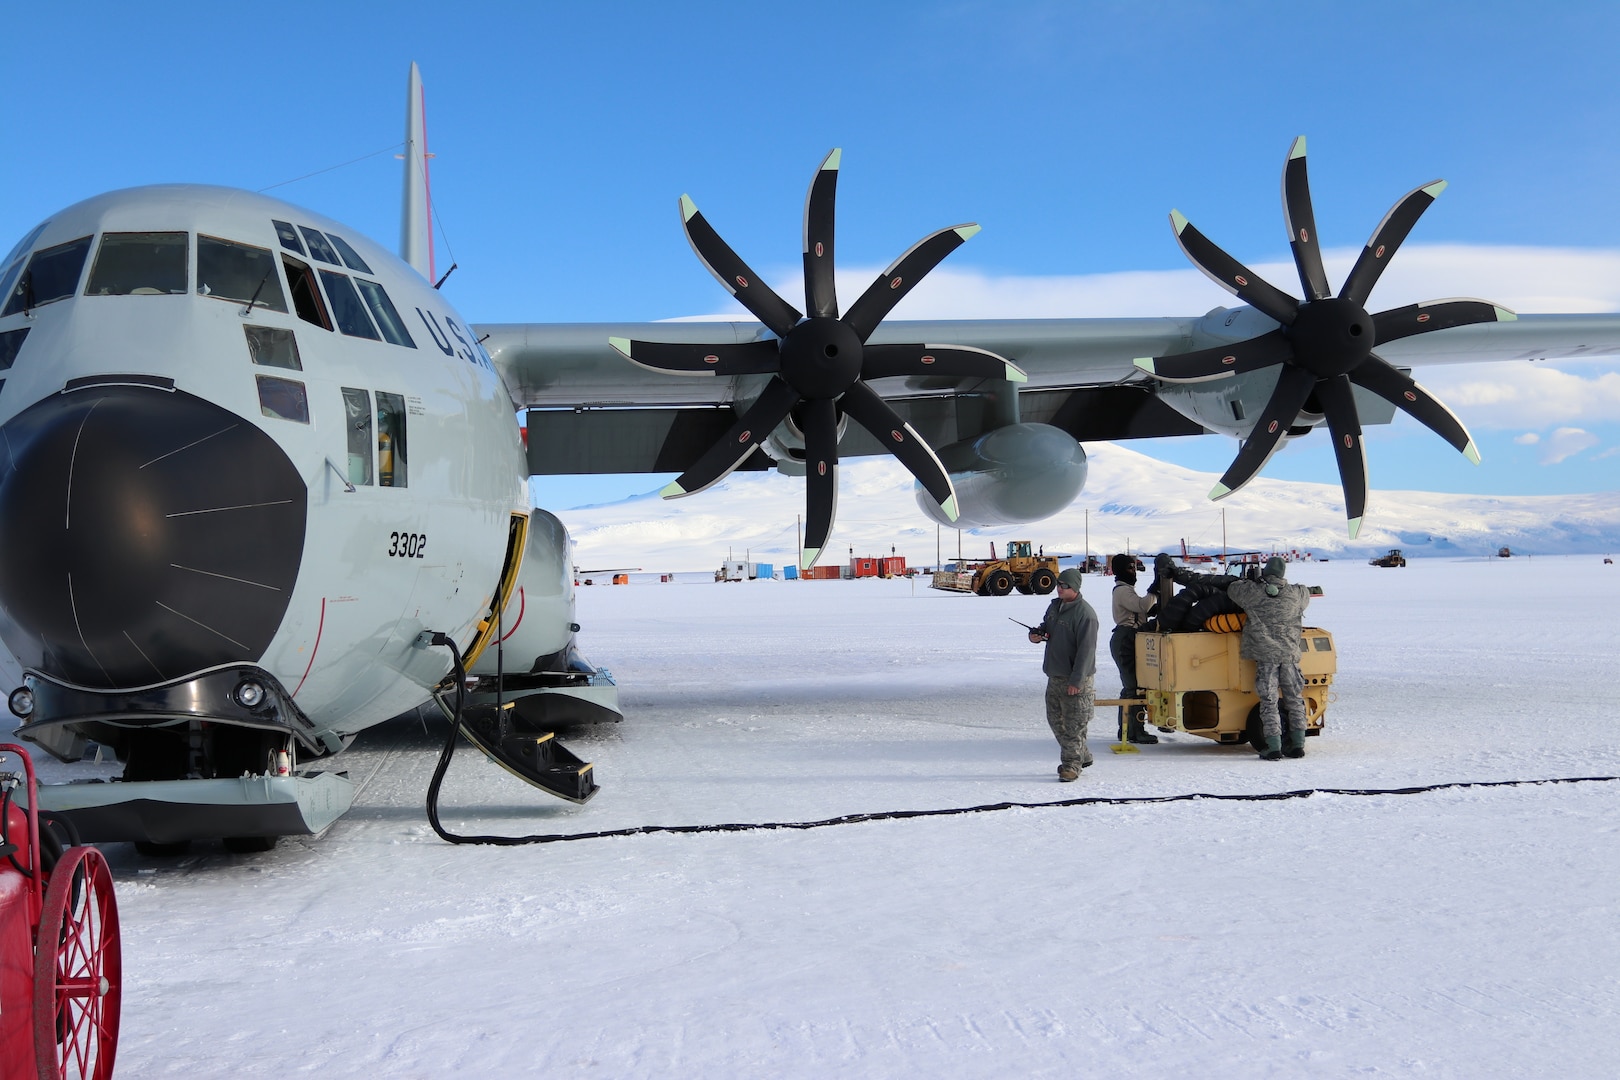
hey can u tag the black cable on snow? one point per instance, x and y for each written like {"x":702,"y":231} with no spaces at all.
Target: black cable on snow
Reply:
{"x":896,"y":815}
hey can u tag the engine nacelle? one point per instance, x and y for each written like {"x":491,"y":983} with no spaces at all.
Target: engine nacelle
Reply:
{"x":1011,"y":476}
{"x":1231,"y":406}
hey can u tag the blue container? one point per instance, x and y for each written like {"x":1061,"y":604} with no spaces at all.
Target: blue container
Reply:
{"x":790,"y":573}
{"x":764,"y":570}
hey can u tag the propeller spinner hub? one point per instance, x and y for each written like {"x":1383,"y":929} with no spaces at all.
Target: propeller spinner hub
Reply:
{"x":1331,"y":336}
{"x":821,"y":358}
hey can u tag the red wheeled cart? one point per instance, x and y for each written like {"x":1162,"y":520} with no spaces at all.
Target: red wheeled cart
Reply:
{"x":60,"y":977}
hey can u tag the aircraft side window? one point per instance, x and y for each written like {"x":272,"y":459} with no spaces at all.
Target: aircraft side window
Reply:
{"x":390,"y":440}
{"x":388,"y":320}
{"x":283,"y":399}
{"x":318,"y":247}
{"x":288,"y":236}
{"x":139,"y":264}
{"x":347,"y":309}
{"x":273,"y":346}
{"x":357,"y":417}
{"x":52,"y":274}
{"x":11,"y":344}
{"x":227,"y":270}
{"x":306,"y":295}
{"x":351,"y":257}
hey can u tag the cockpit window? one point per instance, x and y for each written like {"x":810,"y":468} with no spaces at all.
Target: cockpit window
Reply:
{"x":228,"y":270}
{"x":306,"y":294}
{"x":383,"y":310}
{"x":346,"y":307}
{"x":52,"y":274}
{"x":24,"y":244}
{"x":273,"y":346}
{"x":139,"y":264}
{"x":10,"y":344}
{"x":288,"y":236}
{"x":350,"y":256}
{"x":357,"y":412}
{"x":318,"y":247}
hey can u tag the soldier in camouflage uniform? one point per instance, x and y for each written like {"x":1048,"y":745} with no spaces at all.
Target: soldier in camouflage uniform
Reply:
{"x":1276,"y":612}
{"x":1069,"y":629}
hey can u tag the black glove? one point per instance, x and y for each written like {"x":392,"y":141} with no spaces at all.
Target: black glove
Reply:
{"x":1163,"y":564}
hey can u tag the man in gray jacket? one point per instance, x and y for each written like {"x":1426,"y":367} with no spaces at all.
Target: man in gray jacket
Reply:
{"x":1271,"y":635}
{"x":1069,"y":629}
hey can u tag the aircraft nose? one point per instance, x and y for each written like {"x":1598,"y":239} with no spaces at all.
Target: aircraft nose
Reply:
{"x":145,"y":534}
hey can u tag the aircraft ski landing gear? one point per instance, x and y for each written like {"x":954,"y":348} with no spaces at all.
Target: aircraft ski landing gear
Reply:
{"x":536,"y":759}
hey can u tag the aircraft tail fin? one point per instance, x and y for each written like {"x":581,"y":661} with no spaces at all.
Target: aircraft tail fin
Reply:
{"x":416,"y":219}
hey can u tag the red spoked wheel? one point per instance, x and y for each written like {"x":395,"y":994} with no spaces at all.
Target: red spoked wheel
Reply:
{"x":78,"y":971}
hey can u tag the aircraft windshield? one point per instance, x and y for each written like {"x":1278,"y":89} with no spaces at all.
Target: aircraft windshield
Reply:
{"x":52,"y":274}
{"x":350,"y":256}
{"x":382,"y":308}
{"x":288,"y":236}
{"x":139,"y":264}
{"x":318,"y":247}
{"x":25,"y":243}
{"x":346,"y":307}
{"x":227,"y":270}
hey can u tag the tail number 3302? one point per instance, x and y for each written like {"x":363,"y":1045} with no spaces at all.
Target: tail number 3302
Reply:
{"x":407,"y":545}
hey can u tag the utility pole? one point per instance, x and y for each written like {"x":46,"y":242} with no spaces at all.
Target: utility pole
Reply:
{"x":798,"y":538}
{"x":1223,"y":537}
{"x":1086,"y":566}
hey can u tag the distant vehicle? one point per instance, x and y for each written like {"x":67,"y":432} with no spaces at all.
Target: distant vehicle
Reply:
{"x":742,"y":570}
{"x":1504,"y":553}
{"x":1394,"y":558}
{"x":1022,"y":570}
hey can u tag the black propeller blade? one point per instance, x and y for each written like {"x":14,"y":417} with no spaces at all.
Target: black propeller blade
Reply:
{"x":820,"y":364}
{"x":1325,"y":342}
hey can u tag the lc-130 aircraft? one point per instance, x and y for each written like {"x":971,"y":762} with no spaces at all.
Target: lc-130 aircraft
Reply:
{"x":261,"y":487}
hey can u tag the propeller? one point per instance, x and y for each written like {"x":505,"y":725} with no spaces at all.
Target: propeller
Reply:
{"x":819,"y":365}
{"x":1324,"y":343}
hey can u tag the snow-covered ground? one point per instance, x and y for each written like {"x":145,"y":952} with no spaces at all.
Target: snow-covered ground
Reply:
{"x":1467,"y":933}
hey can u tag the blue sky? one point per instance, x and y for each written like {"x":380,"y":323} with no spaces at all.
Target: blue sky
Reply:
{"x":564,"y":133}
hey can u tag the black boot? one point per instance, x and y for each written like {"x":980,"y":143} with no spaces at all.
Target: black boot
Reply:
{"x":1138,"y":726}
{"x":1273,"y":749}
{"x":1296,"y":743}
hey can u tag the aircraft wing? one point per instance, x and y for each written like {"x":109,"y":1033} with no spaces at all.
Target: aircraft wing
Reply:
{"x":593,"y":411}
{"x":571,"y":365}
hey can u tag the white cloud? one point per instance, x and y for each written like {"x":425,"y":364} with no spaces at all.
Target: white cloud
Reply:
{"x":1529,"y":438}
{"x":1525,"y":279}
{"x":1517,"y":395}
{"x":1565,"y":443}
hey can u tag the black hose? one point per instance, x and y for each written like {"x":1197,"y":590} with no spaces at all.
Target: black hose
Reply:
{"x":449,"y":744}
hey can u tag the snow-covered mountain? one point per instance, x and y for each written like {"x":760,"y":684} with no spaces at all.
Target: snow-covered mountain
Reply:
{"x":1130,"y":500}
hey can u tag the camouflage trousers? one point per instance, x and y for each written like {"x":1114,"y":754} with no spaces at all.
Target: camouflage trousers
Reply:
{"x":1284,"y":680}
{"x":1069,"y":715}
